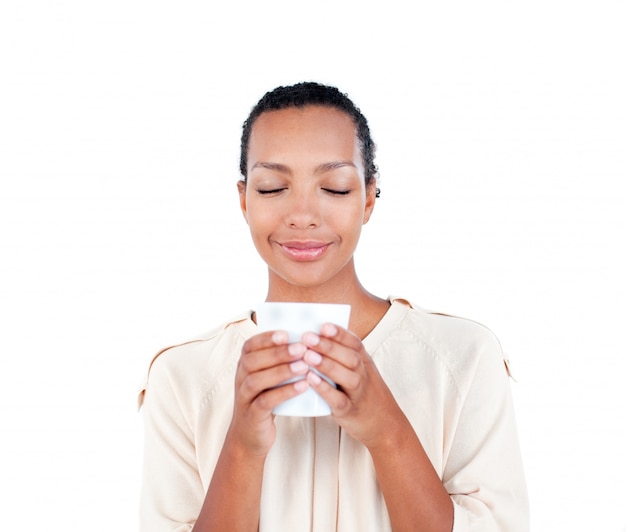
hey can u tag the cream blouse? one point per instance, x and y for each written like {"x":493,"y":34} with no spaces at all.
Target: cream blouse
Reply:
{"x":447,"y":374}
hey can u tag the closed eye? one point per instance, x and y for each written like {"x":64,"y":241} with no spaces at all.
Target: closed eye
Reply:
{"x":336,"y":192}
{"x":270,"y":191}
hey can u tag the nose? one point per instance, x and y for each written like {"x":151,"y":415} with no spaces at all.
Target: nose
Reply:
{"x":303,"y":211}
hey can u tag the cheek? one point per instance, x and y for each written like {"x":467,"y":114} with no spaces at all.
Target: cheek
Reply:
{"x":349,"y":217}
{"x":256,"y":213}
{"x":259,"y":222}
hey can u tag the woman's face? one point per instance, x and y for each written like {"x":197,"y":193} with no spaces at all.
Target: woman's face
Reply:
{"x":305,"y":200}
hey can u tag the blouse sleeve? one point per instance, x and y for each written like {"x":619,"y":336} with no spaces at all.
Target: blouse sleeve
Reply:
{"x":484,"y":474}
{"x":172,"y":493}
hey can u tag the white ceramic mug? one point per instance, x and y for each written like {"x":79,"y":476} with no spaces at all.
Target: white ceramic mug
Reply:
{"x":296,"y":319}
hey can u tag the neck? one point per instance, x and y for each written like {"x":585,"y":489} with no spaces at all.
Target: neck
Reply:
{"x":367,"y":309}
{"x":344,"y":287}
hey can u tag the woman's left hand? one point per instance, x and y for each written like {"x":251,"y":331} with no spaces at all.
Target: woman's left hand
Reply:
{"x":362,"y":403}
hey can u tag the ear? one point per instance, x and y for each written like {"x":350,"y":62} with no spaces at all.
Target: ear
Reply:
{"x":241,"y":187}
{"x":370,"y":200}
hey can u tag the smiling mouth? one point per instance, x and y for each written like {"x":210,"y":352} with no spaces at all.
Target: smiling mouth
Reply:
{"x":304,"y":251}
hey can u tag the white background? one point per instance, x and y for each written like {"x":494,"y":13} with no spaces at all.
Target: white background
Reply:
{"x":502,"y":148}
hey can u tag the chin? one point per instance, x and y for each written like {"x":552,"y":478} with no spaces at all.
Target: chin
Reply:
{"x":307,"y":281}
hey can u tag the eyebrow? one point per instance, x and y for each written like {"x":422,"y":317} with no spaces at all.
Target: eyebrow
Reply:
{"x":320,"y":169}
{"x":272,"y":166}
{"x":327,"y":167}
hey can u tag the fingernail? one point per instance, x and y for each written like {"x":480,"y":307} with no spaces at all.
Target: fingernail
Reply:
{"x":314,"y":378}
{"x":328,"y":329}
{"x":280,"y":337}
{"x":297,"y":349}
{"x":298,"y":366}
{"x":310,"y":338}
{"x":312,"y":357}
{"x":301,"y":385}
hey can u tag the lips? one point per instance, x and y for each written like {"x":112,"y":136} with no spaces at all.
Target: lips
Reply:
{"x":304,"y":251}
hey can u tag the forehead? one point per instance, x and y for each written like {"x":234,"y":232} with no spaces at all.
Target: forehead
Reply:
{"x":309,"y":124}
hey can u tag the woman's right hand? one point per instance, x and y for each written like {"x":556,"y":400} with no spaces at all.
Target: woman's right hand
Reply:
{"x":267,"y":360}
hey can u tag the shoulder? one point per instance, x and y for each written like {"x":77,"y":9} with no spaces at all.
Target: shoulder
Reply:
{"x":187,"y":362}
{"x":445,"y":331}
{"x":458,"y":343}
{"x":453,"y":332}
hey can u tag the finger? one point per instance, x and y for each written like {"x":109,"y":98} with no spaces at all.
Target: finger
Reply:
{"x":341,"y":335}
{"x":350,"y":356}
{"x":337,"y":400}
{"x":270,"y":399}
{"x":265,"y":340}
{"x":348,"y":378}
{"x":338,"y":354}
{"x":337,"y":334}
{"x":252,"y":385}
{"x":267,"y":351}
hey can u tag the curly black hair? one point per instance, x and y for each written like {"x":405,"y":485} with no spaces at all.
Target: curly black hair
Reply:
{"x":311,"y":93}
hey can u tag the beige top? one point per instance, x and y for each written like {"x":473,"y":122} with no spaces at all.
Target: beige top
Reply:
{"x":448,"y":376}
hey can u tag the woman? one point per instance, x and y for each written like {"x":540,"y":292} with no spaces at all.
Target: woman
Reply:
{"x":422,"y":434}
